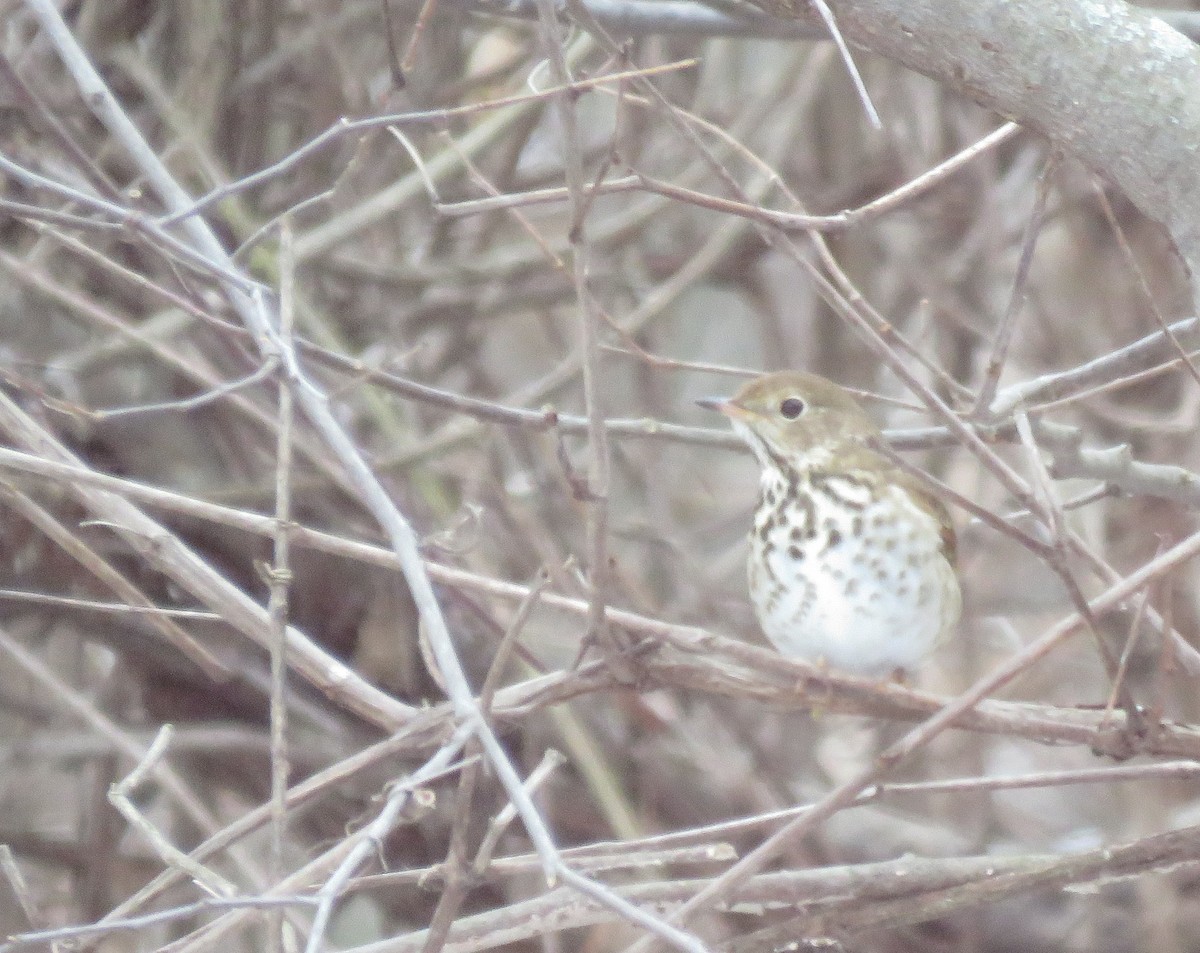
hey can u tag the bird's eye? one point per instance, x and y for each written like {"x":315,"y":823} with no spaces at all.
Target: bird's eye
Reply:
{"x":792,"y":408}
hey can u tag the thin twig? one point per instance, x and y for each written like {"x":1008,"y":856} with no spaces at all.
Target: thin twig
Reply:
{"x":589,"y":339}
{"x":1139,"y":274}
{"x":551,"y":761}
{"x":212,"y":396}
{"x":1016,"y":299}
{"x":860,"y":88}
{"x":892,"y":201}
{"x":370,"y":839}
{"x":280,"y":579}
{"x":120,"y":798}
{"x":19,"y":888}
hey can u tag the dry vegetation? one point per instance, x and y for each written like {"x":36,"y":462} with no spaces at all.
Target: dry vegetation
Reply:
{"x":514,"y":355}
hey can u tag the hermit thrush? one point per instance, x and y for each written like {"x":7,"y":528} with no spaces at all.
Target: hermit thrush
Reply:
{"x":851,"y":558}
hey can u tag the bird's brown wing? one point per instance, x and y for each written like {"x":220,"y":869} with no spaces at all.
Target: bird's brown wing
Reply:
{"x":872,"y":454}
{"x":927,"y":500}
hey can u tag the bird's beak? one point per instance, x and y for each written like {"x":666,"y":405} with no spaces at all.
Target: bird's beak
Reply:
{"x":722,"y":405}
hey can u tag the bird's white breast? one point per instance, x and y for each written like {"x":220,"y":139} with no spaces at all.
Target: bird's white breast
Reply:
{"x":852,"y":574}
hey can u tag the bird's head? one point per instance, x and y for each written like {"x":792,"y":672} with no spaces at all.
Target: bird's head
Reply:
{"x":795,"y":417}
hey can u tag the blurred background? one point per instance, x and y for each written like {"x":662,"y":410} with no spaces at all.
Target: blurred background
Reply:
{"x":480,"y":301}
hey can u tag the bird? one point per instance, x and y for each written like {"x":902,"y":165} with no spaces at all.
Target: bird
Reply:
{"x":851,"y":563}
